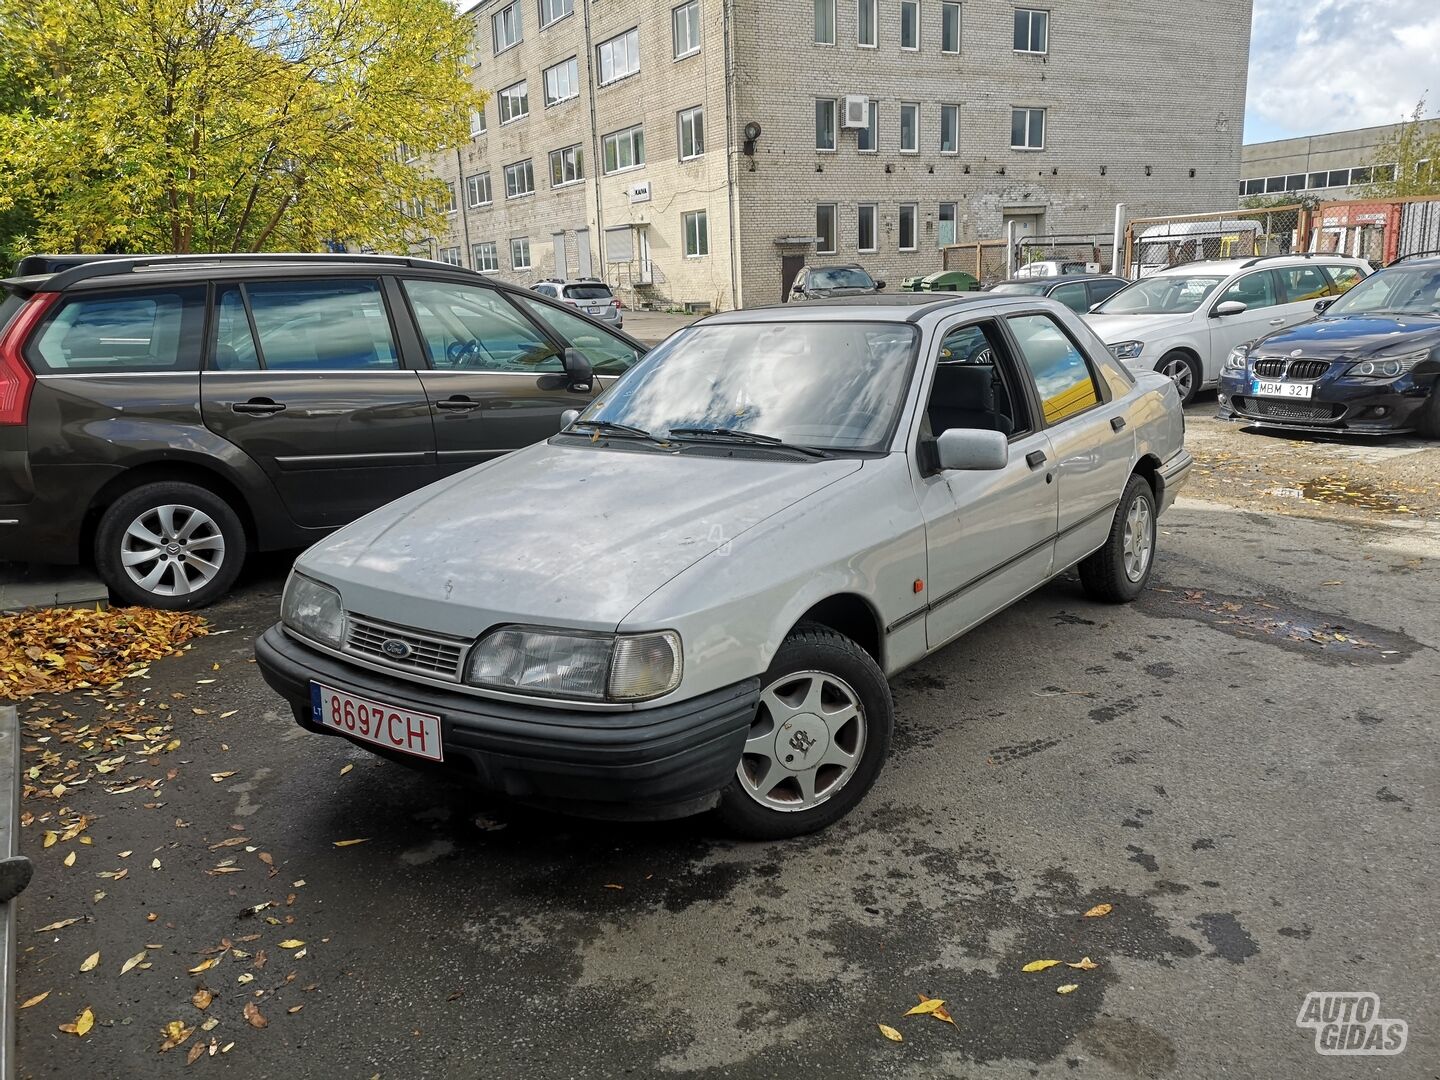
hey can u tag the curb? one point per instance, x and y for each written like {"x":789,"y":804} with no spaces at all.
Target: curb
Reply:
{"x":9,"y":846}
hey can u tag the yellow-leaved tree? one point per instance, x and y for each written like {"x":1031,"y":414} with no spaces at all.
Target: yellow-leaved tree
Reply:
{"x":226,"y":125}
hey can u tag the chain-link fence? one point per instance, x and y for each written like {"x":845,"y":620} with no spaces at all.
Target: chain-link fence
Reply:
{"x":1157,"y":243}
{"x":1074,"y":254}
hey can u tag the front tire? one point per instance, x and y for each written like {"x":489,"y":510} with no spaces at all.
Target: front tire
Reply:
{"x":818,"y":741}
{"x":1119,"y":571}
{"x":169,"y":545}
{"x":1427,"y":420}
{"x":1181,"y":369}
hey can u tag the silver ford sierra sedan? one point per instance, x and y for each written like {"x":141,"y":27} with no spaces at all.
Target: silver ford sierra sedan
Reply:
{"x":692,"y":596}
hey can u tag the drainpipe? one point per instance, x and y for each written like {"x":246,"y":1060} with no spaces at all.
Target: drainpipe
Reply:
{"x":467,"y":258}
{"x":732,"y":183}
{"x":596,"y":163}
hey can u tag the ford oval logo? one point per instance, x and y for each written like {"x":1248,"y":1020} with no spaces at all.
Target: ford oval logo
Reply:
{"x":395,"y":648}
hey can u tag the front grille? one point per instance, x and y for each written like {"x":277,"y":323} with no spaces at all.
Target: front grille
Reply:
{"x":1270,"y":366}
{"x":1312,"y":412}
{"x":1308,"y":369}
{"x":429,"y":654}
{"x":1274,"y":367}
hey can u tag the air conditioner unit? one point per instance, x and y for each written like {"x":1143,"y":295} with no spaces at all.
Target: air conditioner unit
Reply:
{"x":857,"y":112}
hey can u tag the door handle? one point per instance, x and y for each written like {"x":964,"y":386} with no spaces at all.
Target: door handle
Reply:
{"x":258,"y":407}
{"x":1117,"y":423}
{"x":457,"y":404}
{"x":1035,"y":458}
{"x":1277,"y":322}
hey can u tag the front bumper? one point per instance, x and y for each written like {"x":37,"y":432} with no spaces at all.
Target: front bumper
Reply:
{"x":1353,"y":406}
{"x":667,"y":761}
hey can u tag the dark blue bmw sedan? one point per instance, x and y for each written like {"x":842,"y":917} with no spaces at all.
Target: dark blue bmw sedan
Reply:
{"x":1370,"y":364}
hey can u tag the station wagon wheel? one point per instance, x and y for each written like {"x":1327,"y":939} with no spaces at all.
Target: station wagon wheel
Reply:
{"x":169,"y":545}
{"x":1180,"y":369}
{"x":818,"y":740}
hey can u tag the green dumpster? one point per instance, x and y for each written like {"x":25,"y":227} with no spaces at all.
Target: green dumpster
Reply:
{"x":911,"y":284}
{"x":949,"y":281}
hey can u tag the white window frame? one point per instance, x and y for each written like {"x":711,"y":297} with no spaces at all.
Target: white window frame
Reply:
{"x":874,"y":147}
{"x":528,"y":167}
{"x":820,"y":248}
{"x":692,"y":22}
{"x":499,"y":19}
{"x":914,"y":148}
{"x":954,"y":111}
{"x":605,"y":55}
{"x":873,"y":6}
{"x":910,"y":5}
{"x":834,"y":125}
{"x":515,"y":264}
{"x":697,"y":135}
{"x":452,"y":202}
{"x":478,"y":124}
{"x":566,"y":8}
{"x":914,"y":210}
{"x":486,"y":257}
{"x":947,"y":8}
{"x":571,"y":69}
{"x":874,"y":228}
{"x":829,"y":5}
{"x":523,"y":87}
{"x":637,"y":160}
{"x":1030,"y":14}
{"x":449,"y":255}
{"x":572,"y":161}
{"x":1030,"y":111}
{"x":473,"y":183}
{"x":701,"y":220}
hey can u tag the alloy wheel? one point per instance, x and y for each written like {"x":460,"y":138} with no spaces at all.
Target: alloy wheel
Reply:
{"x":172,"y":550}
{"x":805,"y":743}
{"x":1139,"y":540}
{"x":1179,"y":372}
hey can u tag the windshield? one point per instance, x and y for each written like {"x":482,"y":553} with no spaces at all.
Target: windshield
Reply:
{"x":831,"y":385}
{"x":1170,"y":294}
{"x":1020,"y":288}
{"x":587,"y":292}
{"x":840,"y":279}
{"x":1396,"y":291}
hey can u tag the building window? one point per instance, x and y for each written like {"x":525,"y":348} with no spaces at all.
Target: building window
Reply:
{"x":685,"y":28}
{"x":514,"y":102}
{"x":451,"y":203}
{"x":825,"y":229}
{"x":554,"y":10}
{"x":507,"y":28}
{"x":1027,"y":129}
{"x":907,"y":227}
{"x":697,"y":234}
{"x":692,"y":133}
{"x":477,"y":190}
{"x":949,"y":129}
{"x":567,"y":166}
{"x":619,"y":57}
{"x":825,"y":124}
{"x":946,"y":232}
{"x":519,"y":179}
{"x":865,"y":20}
{"x":562,"y":82}
{"x":950,"y":28}
{"x":1032,"y":31}
{"x":824,"y":22}
{"x":477,"y":122}
{"x":867,"y":139}
{"x":865,"y":227}
{"x":910,"y":24}
{"x":487,"y":258}
{"x":909,"y":127}
{"x":450,"y":255}
{"x":520,"y":253}
{"x":625,"y":149}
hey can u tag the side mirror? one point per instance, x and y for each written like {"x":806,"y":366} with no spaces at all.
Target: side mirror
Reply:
{"x":1321,"y":306}
{"x":879,"y":285}
{"x":972,"y":449}
{"x":578,"y":373}
{"x":568,"y":417}
{"x":1229,"y":307}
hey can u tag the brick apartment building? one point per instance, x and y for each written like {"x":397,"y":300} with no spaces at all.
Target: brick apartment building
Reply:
{"x":701,"y":152}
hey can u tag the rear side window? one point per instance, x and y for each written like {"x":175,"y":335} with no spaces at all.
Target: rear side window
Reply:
{"x":587,"y":292}
{"x":1072,"y":296}
{"x":1344,"y":278}
{"x":1103,"y":290}
{"x":608,"y":354}
{"x":1304,"y":283}
{"x":1066,"y":384}
{"x":325,"y":325}
{"x":154,"y":330}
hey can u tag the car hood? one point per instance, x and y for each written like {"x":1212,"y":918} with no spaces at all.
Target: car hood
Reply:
{"x":1113,"y":329}
{"x":554,"y":534}
{"x":1355,"y":335}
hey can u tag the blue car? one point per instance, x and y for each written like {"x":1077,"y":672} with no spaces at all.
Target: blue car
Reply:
{"x":1369,"y":365}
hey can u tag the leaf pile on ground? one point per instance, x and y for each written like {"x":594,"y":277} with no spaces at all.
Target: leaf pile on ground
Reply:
{"x":58,"y":650}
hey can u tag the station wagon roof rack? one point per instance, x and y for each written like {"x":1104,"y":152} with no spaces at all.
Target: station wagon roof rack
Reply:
{"x":1289,"y":255}
{"x":1427,"y":254}
{"x":69,"y":269}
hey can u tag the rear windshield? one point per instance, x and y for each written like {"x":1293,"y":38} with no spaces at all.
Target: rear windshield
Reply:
{"x":842,"y":278}
{"x":1019,"y":288}
{"x":587,"y":292}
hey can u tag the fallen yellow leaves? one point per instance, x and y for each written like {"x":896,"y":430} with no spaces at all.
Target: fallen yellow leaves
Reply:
{"x":292,"y":943}
{"x":58,"y":925}
{"x":926,"y":1006}
{"x":1068,"y":988}
{"x":34,"y":1000}
{"x":890,"y":1033}
{"x":136,"y":959}
{"x":81,"y":1025}
{"x":175,"y":1032}
{"x":90,"y":962}
{"x":1083,"y":964}
{"x":202,"y":998}
{"x":349,"y":843}
{"x":1040,"y":965}
{"x":346,"y":768}
{"x":204,"y":965}
{"x":58,"y":650}
{"x":253,"y":1016}
{"x":1099,"y":911}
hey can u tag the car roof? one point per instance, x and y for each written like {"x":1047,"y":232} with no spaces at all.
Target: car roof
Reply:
{"x":1231,"y":266}
{"x":880,"y":307}
{"x":1062,"y":279}
{"x":571,"y":281}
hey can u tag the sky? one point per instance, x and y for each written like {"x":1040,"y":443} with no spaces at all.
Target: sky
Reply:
{"x":1330,"y":65}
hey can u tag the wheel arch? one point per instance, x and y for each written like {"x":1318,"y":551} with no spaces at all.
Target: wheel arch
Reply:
{"x":850,"y":614}
{"x":161,"y":470}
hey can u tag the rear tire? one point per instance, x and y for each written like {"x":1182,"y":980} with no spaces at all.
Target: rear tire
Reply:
{"x":1182,"y":370}
{"x":1119,"y":571}
{"x":825,"y":700}
{"x":169,"y":545}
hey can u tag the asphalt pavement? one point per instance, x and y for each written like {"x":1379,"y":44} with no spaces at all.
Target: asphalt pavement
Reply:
{"x":1241,"y":764}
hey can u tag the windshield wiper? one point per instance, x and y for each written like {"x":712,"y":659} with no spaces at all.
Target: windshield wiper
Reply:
{"x":610,"y":427}
{"x":751,"y":438}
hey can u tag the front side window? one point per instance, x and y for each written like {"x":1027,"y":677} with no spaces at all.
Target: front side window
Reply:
{"x":1163,"y":294}
{"x":825,"y":228}
{"x":487,"y":257}
{"x":519,"y":179}
{"x":1253,"y":290}
{"x":337,"y":325}
{"x":910,"y":24}
{"x":520,"y":253}
{"x":825,"y":134}
{"x":1027,"y":129}
{"x":1067,"y":385}
{"x":865,"y":20}
{"x":824,"y":22}
{"x":153,"y":331}
{"x":692,"y":133}
{"x":685,"y":25}
{"x":867,"y":139}
{"x":567,"y":166}
{"x":949,"y":129}
{"x":1399,"y":290}
{"x":607,"y":353}
{"x":625,"y":149}
{"x":907,"y":227}
{"x":477,"y":190}
{"x":562,"y":82}
{"x":508,"y":31}
{"x":473,"y":328}
{"x":950,"y":28}
{"x":946,"y":231}
{"x":697,"y":234}
{"x":554,"y":10}
{"x":909,"y":127}
{"x":865,"y":227}
{"x":1032,"y":30}
{"x":619,"y":57}
{"x":514,"y":102}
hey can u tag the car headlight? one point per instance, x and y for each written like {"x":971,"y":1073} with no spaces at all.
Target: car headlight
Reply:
{"x":1237,"y":359}
{"x":313,"y":610}
{"x":1389,"y":367}
{"x":574,"y":664}
{"x":1127,"y":350}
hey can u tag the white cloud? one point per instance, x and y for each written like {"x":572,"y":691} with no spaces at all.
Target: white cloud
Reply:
{"x":1330,"y":65}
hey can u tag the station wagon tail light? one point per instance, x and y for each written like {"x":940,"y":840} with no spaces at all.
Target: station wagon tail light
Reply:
{"x":16,"y":378}
{"x":577,"y":665}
